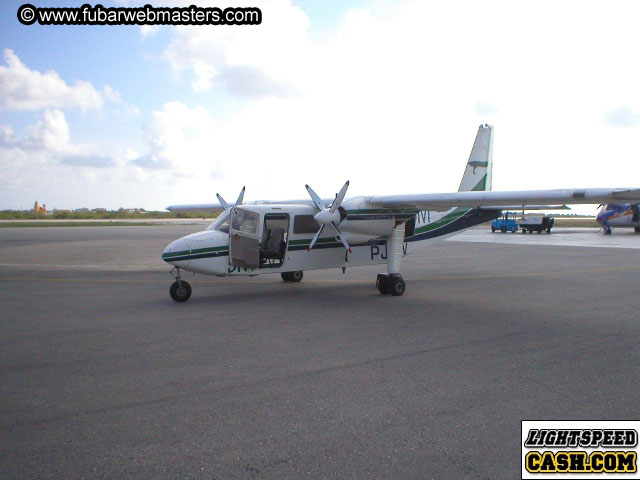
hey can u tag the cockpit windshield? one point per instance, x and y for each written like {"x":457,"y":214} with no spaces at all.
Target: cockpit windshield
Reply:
{"x":221,"y":224}
{"x":616,"y":207}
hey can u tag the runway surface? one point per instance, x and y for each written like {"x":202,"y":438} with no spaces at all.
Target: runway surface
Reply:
{"x":570,"y":237}
{"x":104,"y":376}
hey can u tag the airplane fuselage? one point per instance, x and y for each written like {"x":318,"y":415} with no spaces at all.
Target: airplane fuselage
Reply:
{"x":210,"y":252}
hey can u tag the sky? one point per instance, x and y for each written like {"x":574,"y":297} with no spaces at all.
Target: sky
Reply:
{"x":386,"y":94}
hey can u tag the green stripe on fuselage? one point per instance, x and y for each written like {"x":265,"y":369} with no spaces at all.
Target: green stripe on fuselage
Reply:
{"x":194,"y":252}
{"x":448,"y":218}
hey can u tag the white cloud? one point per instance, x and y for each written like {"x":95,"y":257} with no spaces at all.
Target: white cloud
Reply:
{"x":621,"y":117}
{"x":7,"y":136}
{"x":24,"y":89}
{"x":486,"y":108}
{"x":392,"y":99}
{"x":252,"y":61}
{"x":49,"y":141}
{"x":50,"y":133}
{"x":179,"y":137}
{"x":121,"y":107}
{"x":88,"y":160}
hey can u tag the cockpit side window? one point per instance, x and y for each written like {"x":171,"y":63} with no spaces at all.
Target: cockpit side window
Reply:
{"x":245,"y":221}
{"x":616,"y":207}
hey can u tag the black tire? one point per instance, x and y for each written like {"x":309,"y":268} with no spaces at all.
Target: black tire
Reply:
{"x":524,"y":230}
{"x":607,"y":231}
{"x":514,"y":230}
{"x":286,"y":276}
{"x":383,"y":283}
{"x":539,"y":231}
{"x":296,"y":276}
{"x":493,"y":229}
{"x":636,"y":229}
{"x":548,"y":230}
{"x":503,"y":229}
{"x":180,"y":293}
{"x":397,"y":285}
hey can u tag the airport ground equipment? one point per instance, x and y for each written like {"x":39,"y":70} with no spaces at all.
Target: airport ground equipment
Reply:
{"x":536,"y":223}
{"x":506,"y":223}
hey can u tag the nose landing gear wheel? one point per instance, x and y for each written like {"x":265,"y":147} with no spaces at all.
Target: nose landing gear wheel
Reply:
{"x":180,"y":291}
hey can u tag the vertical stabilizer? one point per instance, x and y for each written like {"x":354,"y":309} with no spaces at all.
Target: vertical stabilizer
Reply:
{"x":477,"y":174}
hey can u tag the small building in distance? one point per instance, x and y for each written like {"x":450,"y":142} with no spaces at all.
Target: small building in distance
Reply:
{"x":37,"y":208}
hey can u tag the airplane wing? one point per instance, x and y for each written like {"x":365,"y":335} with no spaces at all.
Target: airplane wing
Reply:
{"x":527,"y":207}
{"x":445,"y":201}
{"x":217,"y":207}
{"x":196,"y":207}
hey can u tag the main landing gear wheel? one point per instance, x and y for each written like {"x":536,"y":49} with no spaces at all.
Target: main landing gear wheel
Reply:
{"x":180,"y":291}
{"x":292,"y":276}
{"x":390,"y":284}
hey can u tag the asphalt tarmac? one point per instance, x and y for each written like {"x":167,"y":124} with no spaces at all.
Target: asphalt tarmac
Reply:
{"x":102,"y":375}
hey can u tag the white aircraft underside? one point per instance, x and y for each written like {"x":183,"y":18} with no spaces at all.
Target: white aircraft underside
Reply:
{"x":290,"y":237}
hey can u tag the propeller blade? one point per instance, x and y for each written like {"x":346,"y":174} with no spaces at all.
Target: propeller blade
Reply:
{"x":341,"y":238}
{"x":339,"y":197}
{"x":315,"y":239}
{"x":240,"y":197}
{"x":222,"y":201}
{"x":314,"y":196}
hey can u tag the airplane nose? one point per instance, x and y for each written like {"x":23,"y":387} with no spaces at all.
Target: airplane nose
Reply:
{"x":177,"y":253}
{"x":602,"y":216}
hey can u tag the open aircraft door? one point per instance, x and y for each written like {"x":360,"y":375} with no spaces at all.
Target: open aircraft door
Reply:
{"x":244,"y":238}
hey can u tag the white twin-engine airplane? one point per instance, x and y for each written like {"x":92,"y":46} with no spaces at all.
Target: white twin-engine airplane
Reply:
{"x":290,"y":237}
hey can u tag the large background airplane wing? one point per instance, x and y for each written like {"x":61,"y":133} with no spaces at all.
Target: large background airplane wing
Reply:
{"x":217,"y":207}
{"x":196,"y":207}
{"x":445,"y":201}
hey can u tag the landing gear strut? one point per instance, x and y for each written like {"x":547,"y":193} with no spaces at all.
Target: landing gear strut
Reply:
{"x":180,"y":290}
{"x":292,"y":276}
{"x":390,"y":284}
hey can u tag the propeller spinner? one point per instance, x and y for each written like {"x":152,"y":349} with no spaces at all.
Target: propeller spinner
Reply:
{"x":329,"y":217}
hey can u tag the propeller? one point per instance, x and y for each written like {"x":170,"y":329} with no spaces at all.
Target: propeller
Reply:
{"x":329,"y":216}
{"x":225,"y":205}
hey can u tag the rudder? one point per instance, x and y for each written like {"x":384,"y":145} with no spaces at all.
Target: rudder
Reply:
{"x":477,"y":174}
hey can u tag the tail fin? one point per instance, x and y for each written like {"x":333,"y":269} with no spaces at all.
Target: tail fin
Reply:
{"x":477,"y":175}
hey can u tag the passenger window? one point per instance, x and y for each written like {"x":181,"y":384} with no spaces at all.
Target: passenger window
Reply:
{"x":305,"y":224}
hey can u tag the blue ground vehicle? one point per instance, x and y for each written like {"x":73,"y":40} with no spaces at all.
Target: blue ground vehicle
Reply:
{"x":506,"y":223}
